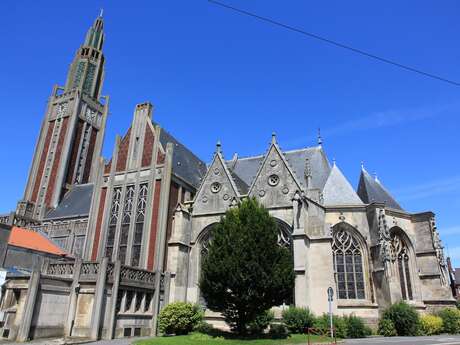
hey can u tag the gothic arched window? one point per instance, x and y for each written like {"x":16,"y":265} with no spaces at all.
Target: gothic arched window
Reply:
{"x":348,"y":265}
{"x":400,"y":256}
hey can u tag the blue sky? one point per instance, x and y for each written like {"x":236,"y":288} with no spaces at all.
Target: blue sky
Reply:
{"x":212,"y":74}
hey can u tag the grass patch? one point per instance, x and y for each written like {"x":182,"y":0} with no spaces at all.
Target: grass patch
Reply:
{"x":204,"y":339}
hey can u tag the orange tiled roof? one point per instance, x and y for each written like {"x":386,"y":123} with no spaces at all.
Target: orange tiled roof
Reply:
{"x":29,"y":239}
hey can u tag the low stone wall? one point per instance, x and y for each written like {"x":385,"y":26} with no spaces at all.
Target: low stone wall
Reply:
{"x":82,"y":299}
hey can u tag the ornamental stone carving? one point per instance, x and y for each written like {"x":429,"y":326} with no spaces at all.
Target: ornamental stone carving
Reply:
{"x":439,"y":249}
{"x":384,"y":241}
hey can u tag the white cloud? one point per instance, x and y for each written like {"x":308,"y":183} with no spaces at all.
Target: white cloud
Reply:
{"x":450,"y":231}
{"x":386,"y":118}
{"x":445,"y":185}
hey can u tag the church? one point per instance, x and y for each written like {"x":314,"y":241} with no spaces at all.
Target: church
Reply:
{"x":135,"y":226}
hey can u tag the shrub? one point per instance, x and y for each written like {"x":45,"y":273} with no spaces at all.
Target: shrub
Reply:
{"x":278,"y":331}
{"x":386,"y":328}
{"x":355,"y":327}
{"x":261,"y":322}
{"x":405,"y":318}
{"x":203,"y":327}
{"x":297,"y":320}
{"x":241,"y":291}
{"x":179,"y":318}
{"x":431,"y":324}
{"x":451,"y":320}
{"x":340,"y":327}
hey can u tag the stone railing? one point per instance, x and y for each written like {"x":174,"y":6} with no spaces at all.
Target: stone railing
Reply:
{"x":64,"y":269}
{"x":89,"y":270}
{"x":136,"y":275}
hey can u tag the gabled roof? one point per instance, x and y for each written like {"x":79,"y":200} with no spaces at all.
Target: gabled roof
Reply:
{"x":34,"y":240}
{"x":246,"y":168}
{"x":186,"y":164}
{"x":76,"y":203}
{"x":338,"y":191}
{"x":371,"y":190}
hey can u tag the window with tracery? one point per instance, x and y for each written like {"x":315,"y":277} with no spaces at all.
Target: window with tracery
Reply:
{"x":348,"y":265}
{"x":125,"y":222}
{"x":400,"y":255}
{"x":112,"y":228}
{"x":139,"y":225}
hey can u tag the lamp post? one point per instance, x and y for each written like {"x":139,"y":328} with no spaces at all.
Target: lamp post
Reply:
{"x":330,"y":297}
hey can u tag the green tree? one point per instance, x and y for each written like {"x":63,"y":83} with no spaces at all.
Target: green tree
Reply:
{"x":246,"y":272}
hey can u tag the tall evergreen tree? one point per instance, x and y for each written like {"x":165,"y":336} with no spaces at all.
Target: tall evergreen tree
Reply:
{"x":245,"y":271}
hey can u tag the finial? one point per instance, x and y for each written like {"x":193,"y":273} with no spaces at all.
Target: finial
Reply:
{"x":376,"y":177}
{"x":101,"y":13}
{"x":333,"y":161}
{"x":273,"y":138}
{"x":362,"y":166}
{"x":320,"y":140}
{"x":218,"y":147}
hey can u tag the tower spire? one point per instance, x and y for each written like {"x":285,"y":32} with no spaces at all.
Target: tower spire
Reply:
{"x":87,"y":69}
{"x":320,"y":140}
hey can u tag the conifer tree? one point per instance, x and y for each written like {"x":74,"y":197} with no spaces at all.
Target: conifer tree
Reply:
{"x":245,"y":271}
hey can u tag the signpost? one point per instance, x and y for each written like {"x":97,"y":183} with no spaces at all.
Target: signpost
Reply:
{"x":330,"y":297}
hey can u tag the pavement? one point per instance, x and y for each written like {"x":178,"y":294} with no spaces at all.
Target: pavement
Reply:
{"x":432,"y":340}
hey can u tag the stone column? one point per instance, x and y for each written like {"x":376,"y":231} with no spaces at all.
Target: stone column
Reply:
{"x":98,"y":299}
{"x":29,"y":306}
{"x":73,"y":299}
{"x":113,"y":309}
{"x":156,"y":303}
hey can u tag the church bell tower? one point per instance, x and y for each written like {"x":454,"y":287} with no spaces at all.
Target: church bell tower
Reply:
{"x":72,"y":131}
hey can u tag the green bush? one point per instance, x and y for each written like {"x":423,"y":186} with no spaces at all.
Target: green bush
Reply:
{"x":340,"y":326}
{"x":386,"y":328}
{"x":179,"y":318}
{"x":355,"y":327}
{"x":297,"y":320}
{"x":451,"y":320}
{"x":203,"y":327}
{"x":405,"y":318}
{"x":261,"y":322}
{"x":431,"y":324}
{"x":278,"y":331}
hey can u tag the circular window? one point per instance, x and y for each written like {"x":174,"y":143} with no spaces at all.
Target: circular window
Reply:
{"x":273,"y":180}
{"x":215,"y":187}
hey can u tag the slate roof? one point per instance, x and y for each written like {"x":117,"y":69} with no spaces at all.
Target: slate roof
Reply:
{"x":457,"y":276}
{"x":34,"y":240}
{"x":338,"y":191}
{"x":186,"y":164}
{"x":76,"y":203}
{"x":371,"y":190}
{"x":245,"y":169}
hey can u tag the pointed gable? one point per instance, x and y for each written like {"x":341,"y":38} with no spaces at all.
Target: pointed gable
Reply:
{"x":217,"y":189}
{"x":338,"y":191}
{"x":275,"y":183}
{"x":371,"y":190}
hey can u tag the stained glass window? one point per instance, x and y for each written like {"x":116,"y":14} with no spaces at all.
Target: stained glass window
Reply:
{"x":125,"y":221}
{"x":348,"y":265}
{"x":114,"y":214}
{"x":139,"y":225}
{"x":400,"y":255}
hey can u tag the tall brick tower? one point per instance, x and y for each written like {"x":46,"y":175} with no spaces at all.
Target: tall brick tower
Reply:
{"x":72,"y":131}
